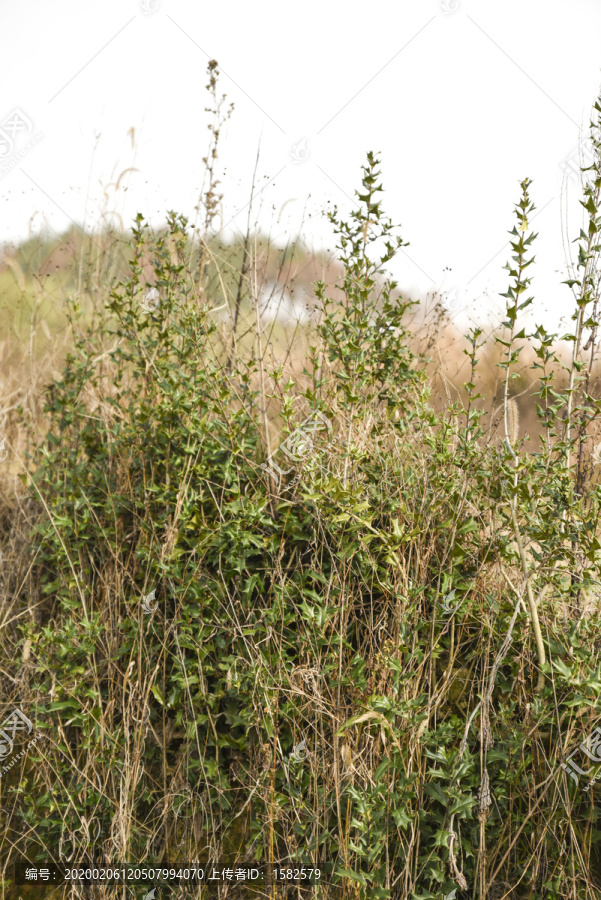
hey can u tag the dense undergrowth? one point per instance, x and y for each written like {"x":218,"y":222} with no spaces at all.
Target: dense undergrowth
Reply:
{"x":377,"y":669}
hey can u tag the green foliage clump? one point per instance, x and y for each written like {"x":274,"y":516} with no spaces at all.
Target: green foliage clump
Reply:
{"x":374,"y":616}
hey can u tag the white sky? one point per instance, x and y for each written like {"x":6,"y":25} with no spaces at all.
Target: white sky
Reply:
{"x":461,"y":104}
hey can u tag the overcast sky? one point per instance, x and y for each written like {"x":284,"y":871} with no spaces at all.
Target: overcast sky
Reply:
{"x":462,"y":99}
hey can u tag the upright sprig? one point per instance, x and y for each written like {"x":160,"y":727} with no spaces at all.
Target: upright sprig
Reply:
{"x":521,"y":282}
{"x":585,"y":287}
{"x":363,"y":323}
{"x":212,"y":197}
{"x":364,"y":334}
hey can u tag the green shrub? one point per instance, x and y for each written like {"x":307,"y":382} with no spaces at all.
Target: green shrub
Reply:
{"x":378,"y":670}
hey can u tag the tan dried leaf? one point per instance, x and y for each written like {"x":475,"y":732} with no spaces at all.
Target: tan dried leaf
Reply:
{"x":347,"y":756}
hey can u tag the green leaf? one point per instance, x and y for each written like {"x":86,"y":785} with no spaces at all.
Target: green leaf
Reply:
{"x":354,"y":876}
{"x":157,"y":694}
